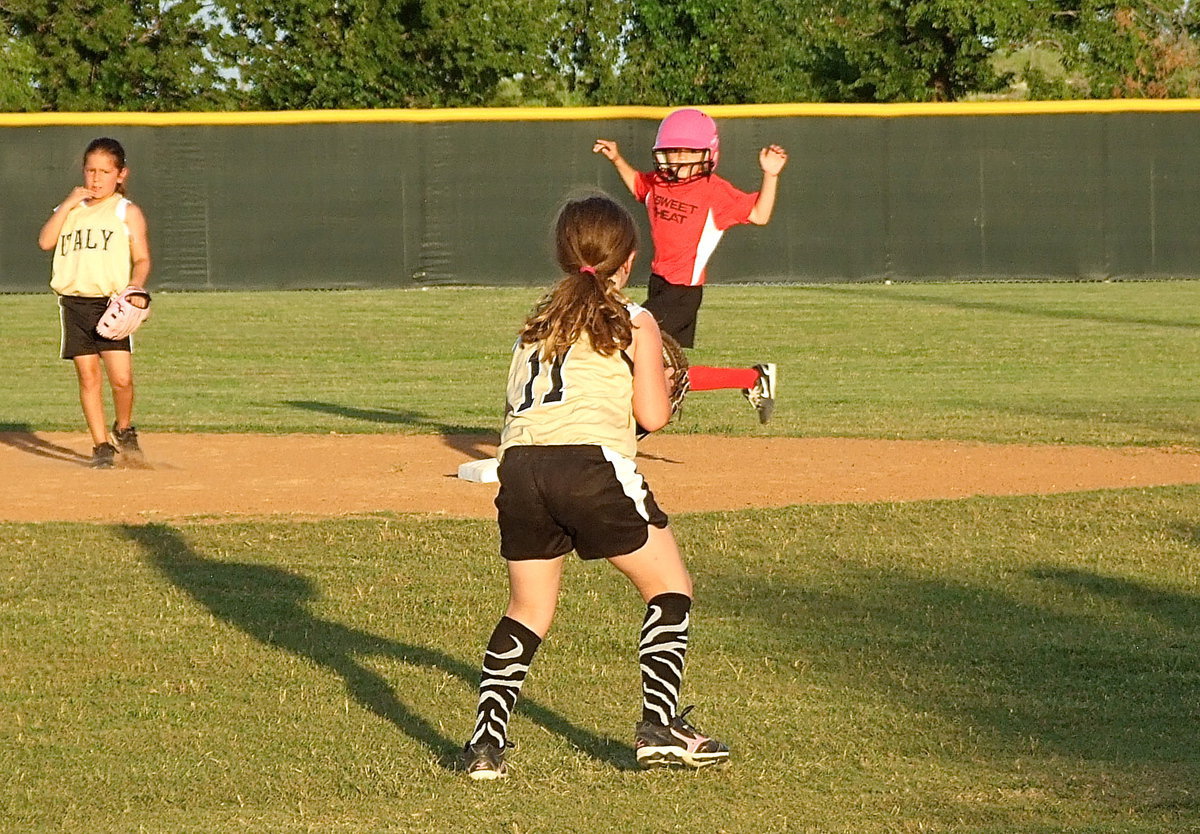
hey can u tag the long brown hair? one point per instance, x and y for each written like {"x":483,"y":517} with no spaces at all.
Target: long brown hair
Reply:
{"x":593,"y":238}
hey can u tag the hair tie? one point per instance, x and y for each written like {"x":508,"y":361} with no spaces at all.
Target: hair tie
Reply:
{"x":590,"y":270}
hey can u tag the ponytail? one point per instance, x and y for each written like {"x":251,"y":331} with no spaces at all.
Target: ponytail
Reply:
{"x":594,"y":237}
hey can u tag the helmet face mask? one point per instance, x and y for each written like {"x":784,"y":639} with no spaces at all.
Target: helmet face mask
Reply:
{"x":692,"y":135}
{"x":695,"y":162}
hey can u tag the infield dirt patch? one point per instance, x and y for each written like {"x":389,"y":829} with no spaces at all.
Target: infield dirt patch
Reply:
{"x":45,"y":477}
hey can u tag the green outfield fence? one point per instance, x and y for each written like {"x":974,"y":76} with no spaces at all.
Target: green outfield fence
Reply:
{"x":400,"y":198}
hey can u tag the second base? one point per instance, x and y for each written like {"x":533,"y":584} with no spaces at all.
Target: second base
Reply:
{"x":480,"y":471}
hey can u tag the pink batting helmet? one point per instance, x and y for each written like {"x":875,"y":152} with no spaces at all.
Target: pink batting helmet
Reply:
{"x":688,"y":129}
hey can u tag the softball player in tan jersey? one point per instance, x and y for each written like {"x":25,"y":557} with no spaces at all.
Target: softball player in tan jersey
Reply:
{"x":99,"y":242}
{"x":586,"y":371}
{"x":579,"y":398}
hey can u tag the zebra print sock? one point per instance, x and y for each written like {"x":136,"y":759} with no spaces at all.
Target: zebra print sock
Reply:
{"x":509,"y":653}
{"x":660,"y":653}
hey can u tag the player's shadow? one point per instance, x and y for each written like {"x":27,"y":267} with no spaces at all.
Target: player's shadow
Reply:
{"x":271,"y":605}
{"x":1181,"y":426}
{"x":659,"y":458}
{"x":1172,"y":609}
{"x":21,"y":437}
{"x":472,"y":441}
{"x":1014,"y":309}
{"x":1080,"y":685}
{"x":1186,"y":532}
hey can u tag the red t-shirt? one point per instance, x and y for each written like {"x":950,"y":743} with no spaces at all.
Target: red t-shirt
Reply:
{"x":687,"y":220}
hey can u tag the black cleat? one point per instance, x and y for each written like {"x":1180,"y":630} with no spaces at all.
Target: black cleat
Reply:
{"x":676,"y":744}
{"x":484,"y":761}
{"x":103,"y":456}
{"x":127,"y":444}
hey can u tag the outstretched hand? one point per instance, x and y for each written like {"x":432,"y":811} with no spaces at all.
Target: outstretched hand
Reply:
{"x":607,"y":147}
{"x":772,"y":159}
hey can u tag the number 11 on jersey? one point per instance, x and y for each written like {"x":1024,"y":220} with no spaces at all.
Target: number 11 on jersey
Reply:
{"x":538,"y":369}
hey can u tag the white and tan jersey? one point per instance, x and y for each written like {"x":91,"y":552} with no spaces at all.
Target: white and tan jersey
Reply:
{"x":92,"y":256}
{"x":580,"y":398}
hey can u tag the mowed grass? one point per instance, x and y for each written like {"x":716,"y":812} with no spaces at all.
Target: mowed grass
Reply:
{"x":987,"y":665}
{"x":1089,"y":363}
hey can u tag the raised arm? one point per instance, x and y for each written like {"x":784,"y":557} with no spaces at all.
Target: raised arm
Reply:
{"x":608,"y":149}
{"x":48,"y":236}
{"x":771,"y":159}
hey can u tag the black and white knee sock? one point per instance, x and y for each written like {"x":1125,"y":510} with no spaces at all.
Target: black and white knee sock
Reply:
{"x":660,"y":653}
{"x":505,"y":663}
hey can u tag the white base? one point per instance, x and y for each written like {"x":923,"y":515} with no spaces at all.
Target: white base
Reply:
{"x":480,"y":471}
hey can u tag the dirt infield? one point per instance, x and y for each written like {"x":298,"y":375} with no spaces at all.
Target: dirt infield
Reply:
{"x":44,"y":476}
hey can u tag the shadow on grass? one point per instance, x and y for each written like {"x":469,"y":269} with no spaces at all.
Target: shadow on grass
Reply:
{"x":1172,"y":609}
{"x":1179,"y":429}
{"x":1186,"y":532}
{"x":271,"y":605}
{"x":22,"y":438}
{"x":1067,"y":678}
{"x":1031,"y":311}
{"x":470,"y":440}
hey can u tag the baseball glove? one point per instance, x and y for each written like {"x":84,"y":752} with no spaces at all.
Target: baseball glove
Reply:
{"x":125,"y":313}
{"x":674,"y":359}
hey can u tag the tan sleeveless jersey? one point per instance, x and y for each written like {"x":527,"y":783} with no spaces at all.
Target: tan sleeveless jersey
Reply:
{"x":583,"y":398}
{"x":92,"y":256}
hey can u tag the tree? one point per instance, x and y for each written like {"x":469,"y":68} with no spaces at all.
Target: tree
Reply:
{"x":586,"y":48}
{"x":18,"y":66}
{"x":918,"y":50}
{"x":1130,"y":49}
{"x":295,"y":54}
{"x":116,"y":54}
{"x":383,"y":53}
{"x":714,"y":51}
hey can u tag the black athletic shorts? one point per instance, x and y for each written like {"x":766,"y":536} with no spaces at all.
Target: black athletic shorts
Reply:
{"x":554,"y":499}
{"x":675,"y":307}
{"x":79,"y":316}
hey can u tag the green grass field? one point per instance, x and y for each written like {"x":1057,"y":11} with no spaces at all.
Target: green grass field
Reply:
{"x":986,"y":665}
{"x":1042,"y":363}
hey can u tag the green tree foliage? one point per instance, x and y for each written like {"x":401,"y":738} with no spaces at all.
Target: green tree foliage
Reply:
{"x":917,"y":50}
{"x":586,"y":48}
{"x":18,"y":66}
{"x":297,"y":54}
{"x":110,"y":55}
{"x":714,"y":51}
{"x":1129,"y":49}
{"x":383,"y":53}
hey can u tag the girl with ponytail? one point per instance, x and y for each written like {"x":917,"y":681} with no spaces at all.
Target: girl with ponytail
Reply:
{"x":586,"y":371}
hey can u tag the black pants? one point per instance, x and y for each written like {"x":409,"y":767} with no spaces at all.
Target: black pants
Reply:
{"x":675,"y":307}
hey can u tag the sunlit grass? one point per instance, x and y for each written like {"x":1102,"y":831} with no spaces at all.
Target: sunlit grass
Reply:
{"x":1017,"y":664}
{"x":1045,"y":363}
